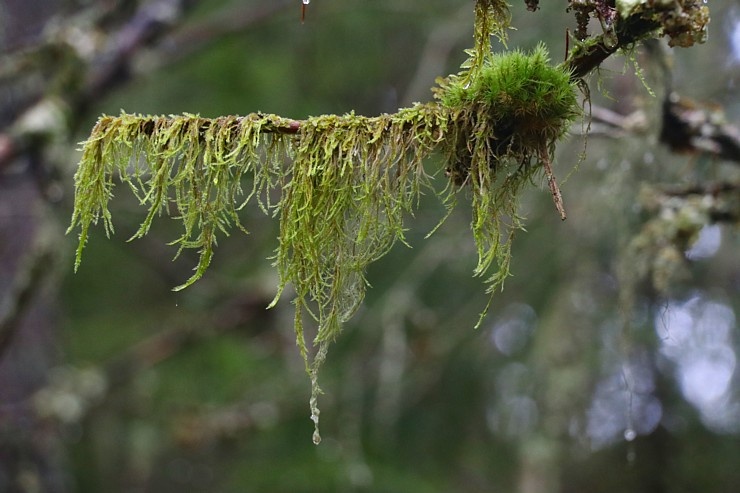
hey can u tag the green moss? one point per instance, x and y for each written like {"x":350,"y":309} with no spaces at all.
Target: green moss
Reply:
{"x":345,"y":184}
{"x":520,"y":94}
{"x":504,"y":122}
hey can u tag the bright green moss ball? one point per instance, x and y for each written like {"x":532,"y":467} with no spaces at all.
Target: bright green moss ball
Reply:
{"x":520,"y":93}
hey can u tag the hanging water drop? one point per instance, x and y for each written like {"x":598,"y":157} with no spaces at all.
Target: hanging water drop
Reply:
{"x":630,"y":434}
{"x":316,"y":435}
{"x":303,"y":10}
{"x":314,"y":405}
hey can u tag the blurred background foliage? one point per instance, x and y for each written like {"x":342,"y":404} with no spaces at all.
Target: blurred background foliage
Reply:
{"x":587,"y":375}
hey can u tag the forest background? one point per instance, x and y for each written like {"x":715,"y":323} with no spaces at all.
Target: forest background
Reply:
{"x":608,"y":362}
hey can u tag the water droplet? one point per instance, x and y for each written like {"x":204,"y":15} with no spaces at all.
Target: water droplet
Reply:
{"x":630,"y":434}
{"x":631,"y":456}
{"x":316,"y":436}
{"x":306,"y":2}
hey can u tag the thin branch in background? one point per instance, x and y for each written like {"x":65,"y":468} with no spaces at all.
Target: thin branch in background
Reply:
{"x":36,"y":269}
{"x":89,"y":70}
{"x":189,"y":39}
{"x":239,"y":311}
{"x":687,"y":127}
{"x":111,"y":67}
{"x":608,"y":123}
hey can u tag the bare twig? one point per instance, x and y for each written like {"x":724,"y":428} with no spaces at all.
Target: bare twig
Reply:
{"x":557,"y":198}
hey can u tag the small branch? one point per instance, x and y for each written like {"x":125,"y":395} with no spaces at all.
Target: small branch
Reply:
{"x":719,"y":202}
{"x":724,"y":204}
{"x":435,"y":55}
{"x":557,"y":198}
{"x":712,"y":189}
{"x":237,"y":312}
{"x":110,"y":68}
{"x":588,"y":56}
{"x":688,"y":127}
{"x":615,"y":124}
{"x":684,"y":22}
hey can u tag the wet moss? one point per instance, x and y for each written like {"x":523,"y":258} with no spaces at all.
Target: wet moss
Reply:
{"x":345,"y":184}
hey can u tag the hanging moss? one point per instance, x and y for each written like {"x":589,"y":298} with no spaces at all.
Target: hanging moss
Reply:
{"x":503,"y":123}
{"x":345,"y":183}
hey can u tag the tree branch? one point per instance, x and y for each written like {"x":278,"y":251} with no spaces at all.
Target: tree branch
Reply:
{"x":690,"y":127}
{"x":683,"y":21}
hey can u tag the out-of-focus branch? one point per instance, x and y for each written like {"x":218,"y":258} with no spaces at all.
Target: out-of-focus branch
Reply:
{"x":437,"y":50}
{"x":721,"y":199}
{"x":236,"y":312}
{"x":201,"y":430}
{"x":690,"y":127}
{"x":95,"y":62}
{"x":38,"y":265}
{"x":110,"y":67}
{"x":185,"y":41}
{"x":687,"y":127}
{"x":92,"y":64}
{"x":609,"y":123}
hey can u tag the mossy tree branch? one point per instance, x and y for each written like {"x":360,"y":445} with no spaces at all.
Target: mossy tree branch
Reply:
{"x":626,"y":22}
{"x":345,"y":184}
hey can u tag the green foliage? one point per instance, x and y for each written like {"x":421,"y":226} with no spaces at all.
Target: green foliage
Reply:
{"x":345,"y":183}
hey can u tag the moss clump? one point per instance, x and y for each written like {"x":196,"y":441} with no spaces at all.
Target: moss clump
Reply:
{"x":518,"y":103}
{"x":503,"y":122}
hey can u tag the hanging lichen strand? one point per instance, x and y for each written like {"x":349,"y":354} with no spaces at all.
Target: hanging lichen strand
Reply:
{"x":345,"y":183}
